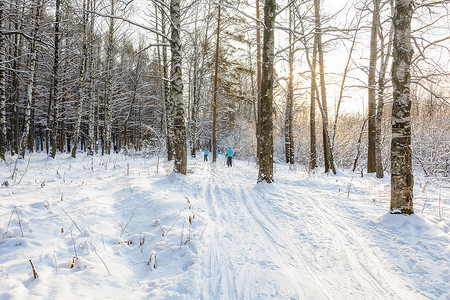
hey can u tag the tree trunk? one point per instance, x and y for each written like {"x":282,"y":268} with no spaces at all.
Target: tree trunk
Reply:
{"x":165,"y":93}
{"x":108,"y":86}
{"x":258,"y":82}
{"x":179,"y":128}
{"x":31,"y":83}
{"x":327,"y":147}
{"x":2,"y":84}
{"x":371,"y":165}
{"x":384,"y":57}
{"x":216,"y":77}
{"x":55,"y":87}
{"x":266,"y":134}
{"x":16,"y":82}
{"x":82,"y":80}
{"x":402,"y":181}
{"x":92,"y":100}
{"x":312,"y":112}
{"x":288,"y":126}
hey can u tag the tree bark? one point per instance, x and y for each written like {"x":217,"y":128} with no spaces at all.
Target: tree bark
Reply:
{"x":327,"y":147}
{"x":312,"y":112}
{"x":2,"y":84}
{"x":258,"y":82}
{"x":266,"y":134}
{"x":384,"y":57}
{"x":179,"y":128}
{"x":216,"y":77}
{"x":371,"y":164}
{"x":288,"y":126}
{"x":165,"y":94}
{"x":31,"y":83}
{"x":55,"y":85}
{"x":92,"y":100}
{"x":402,"y":181}
{"x":108,"y":86}
{"x":82,"y":80}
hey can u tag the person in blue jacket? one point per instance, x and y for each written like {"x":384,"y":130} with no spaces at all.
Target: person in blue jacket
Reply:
{"x":205,"y":152}
{"x":229,"y":153}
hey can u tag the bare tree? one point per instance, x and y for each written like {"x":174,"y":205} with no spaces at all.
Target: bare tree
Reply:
{"x":54,"y":99}
{"x":288,"y":119}
{"x":216,"y":77}
{"x":328,"y":150}
{"x":31,"y":83}
{"x":180,"y":163}
{"x":258,"y":82}
{"x":2,"y":83}
{"x":266,"y":134}
{"x":385,"y":55}
{"x":401,"y":165}
{"x":371,"y":167}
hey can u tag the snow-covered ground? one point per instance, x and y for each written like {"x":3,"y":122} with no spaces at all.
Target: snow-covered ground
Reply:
{"x":123,"y":227}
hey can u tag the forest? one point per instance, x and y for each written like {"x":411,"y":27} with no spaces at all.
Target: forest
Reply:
{"x":338,"y":113}
{"x":308,"y":83}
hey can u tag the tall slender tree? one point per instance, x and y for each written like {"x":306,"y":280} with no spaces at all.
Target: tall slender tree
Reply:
{"x":216,"y":78}
{"x":82,"y":78}
{"x":92,"y":94}
{"x":176,"y":81}
{"x":312,"y":109}
{"x":402,"y":181}
{"x":288,"y":119}
{"x":372,"y":88}
{"x":54,"y":99}
{"x":30,"y":87}
{"x":266,"y":135}
{"x":109,"y":85}
{"x":2,"y":84}
{"x":327,"y":147}
{"x":258,"y":81}
{"x":385,"y":55}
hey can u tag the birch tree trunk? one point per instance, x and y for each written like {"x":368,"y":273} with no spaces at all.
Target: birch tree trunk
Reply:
{"x":31,"y":83}
{"x":82,"y":79}
{"x":288,"y":119}
{"x":179,"y":128}
{"x":371,"y":165}
{"x":402,"y":181}
{"x":258,"y":82}
{"x":216,"y":77}
{"x":108,"y":85}
{"x":2,"y":84}
{"x":16,"y":82}
{"x":312,"y":111}
{"x":265,"y":173}
{"x":165,"y":91}
{"x":90,"y":67}
{"x":384,"y":57}
{"x":55,"y":86}
{"x":327,"y":147}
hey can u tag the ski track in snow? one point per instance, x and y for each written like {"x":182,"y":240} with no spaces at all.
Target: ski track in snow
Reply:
{"x":260,"y":248}
{"x":298,"y":238}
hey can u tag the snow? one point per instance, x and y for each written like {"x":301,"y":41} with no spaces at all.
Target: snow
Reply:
{"x":123,"y":227}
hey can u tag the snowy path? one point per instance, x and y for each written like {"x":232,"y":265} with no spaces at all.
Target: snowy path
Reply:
{"x":142,"y":232}
{"x":282,"y":241}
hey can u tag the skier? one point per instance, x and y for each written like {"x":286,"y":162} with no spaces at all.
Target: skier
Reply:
{"x":229,"y":153}
{"x":206,"y":155}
